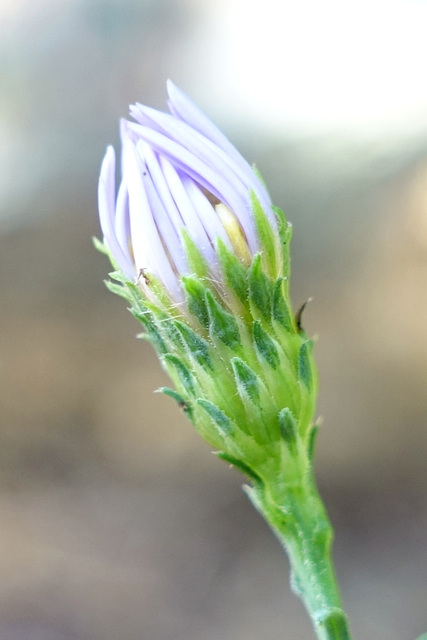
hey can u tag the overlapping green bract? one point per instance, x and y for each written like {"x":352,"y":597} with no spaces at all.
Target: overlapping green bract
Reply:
{"x":242,"y":367}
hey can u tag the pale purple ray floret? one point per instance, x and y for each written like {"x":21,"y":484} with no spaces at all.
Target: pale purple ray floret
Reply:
{"x":175,"y":168}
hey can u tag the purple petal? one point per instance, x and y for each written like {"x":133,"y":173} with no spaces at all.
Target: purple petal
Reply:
{"x":204,"y":175}
{"x":147,"y":246}
{"x":189,"y":215}
{"x":122,"y":225}
{"x":186,"y":110}
{"x":174,"y":166}
{"x":161,"y":185}
{"x":239,"y":174}
{"x":106,"y":204}
{"x":201,"y":205}
{"x":205,"y":211}
{"x":171,"y":239}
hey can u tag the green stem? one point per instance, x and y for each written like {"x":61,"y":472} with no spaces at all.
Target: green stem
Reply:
{"x":298,"y":518}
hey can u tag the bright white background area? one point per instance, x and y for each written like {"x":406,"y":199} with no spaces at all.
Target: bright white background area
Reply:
{"x":311,"y":66}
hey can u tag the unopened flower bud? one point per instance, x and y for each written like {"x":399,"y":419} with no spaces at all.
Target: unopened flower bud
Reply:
{"x":203,"y":258}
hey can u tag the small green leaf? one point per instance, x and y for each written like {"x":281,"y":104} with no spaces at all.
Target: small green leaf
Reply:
{"x":196,"y":301}
{"x":155,"y":340}
{"x":144,"y":317}
{"x":196,"y":261}
{"x":160,"y":291}
{"x":152,"y":333}
{"x":285,"y":235}
{"x":223,"y":422}
{"x":119,"y":290}
{"x":100,"y":246}
{"x":304,"y":365}
{"x":265,"y":345}
{"x":133,"y":292}
{"x":241,"y":466}
{"x":285,"y":227}
{"x":281,"y":219}
{"x":280,"y":311}
{"x":167,"y":328}
{"x":197,"y":346}
{"x":288,"y":426}
{"x":181,"y":401}
{"x":222,"y":324}
{"x":184,"y":374}
{"x":234,"y":272}
{"x":248,"y":383}
{"x":312,"y":438}
{"x":258,"y":174}
{"x":265,"y":235}
{"x":259,"y":287}
{"x":120,"y":277}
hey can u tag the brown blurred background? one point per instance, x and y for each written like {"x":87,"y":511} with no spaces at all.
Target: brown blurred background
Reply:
{"x":115,"y":519}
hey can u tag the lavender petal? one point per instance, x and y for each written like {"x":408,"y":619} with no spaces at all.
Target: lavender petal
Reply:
{"x":240,"y":174}
{"x":186,"y":110}
{"x":204,"y":175}
{"x":147,"y":246}
{"x":171,"y":239}
{"x":106,"y":204}
{"x":189,"y":215}
{"x":205,"y":211}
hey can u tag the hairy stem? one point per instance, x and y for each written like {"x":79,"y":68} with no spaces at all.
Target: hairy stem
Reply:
{"x":298,"y":518}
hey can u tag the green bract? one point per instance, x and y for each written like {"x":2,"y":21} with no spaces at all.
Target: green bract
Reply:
{"x":242,"y":368}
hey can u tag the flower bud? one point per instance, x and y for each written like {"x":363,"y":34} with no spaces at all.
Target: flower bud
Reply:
{"x":202,"y":256}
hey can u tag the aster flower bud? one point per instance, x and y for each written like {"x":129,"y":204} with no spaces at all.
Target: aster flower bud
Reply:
{"x":203,"y":258}
{"x":179,"y":173}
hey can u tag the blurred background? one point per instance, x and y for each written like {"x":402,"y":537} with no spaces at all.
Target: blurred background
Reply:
{"x":115,"y":519}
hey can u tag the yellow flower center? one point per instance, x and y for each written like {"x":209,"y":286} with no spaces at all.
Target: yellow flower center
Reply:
{"x":235,"y":233}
